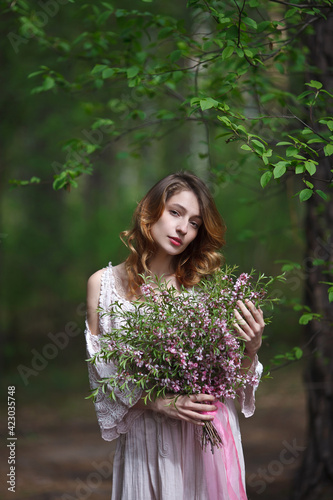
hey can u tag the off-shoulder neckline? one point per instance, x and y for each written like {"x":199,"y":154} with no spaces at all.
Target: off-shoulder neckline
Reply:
{"x":110,"y":268}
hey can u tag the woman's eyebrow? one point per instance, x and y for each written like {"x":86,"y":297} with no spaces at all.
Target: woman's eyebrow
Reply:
{"x":180,"y":207}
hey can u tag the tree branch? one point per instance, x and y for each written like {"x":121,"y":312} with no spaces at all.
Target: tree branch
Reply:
{"x":300,"y":5}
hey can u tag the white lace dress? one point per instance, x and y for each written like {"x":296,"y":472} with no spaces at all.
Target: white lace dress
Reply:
{"x":158,"y":458}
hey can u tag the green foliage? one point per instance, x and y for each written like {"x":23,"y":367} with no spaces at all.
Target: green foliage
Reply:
{"x":215,"y":63}
{"x":279,"y":360}
{"x":141,"y":70}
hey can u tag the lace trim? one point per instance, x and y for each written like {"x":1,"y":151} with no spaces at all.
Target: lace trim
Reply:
{"x":115,"y":417}
{"x":118,"y":284}
{"x":247,"y":394}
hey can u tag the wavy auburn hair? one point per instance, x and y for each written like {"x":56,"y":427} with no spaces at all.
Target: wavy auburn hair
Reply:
{"x":200,"y":258}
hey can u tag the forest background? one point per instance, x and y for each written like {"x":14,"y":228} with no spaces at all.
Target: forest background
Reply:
{"x":100,"y":100}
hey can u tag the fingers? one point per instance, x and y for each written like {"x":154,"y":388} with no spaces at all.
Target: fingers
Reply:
{"x":249,"y":325}
{"x":242,"y":326}
{"x":247,"y":313}
{"x":199,"y":398}
{"x":189,"y":408}
{"x":257,"y":313}
{"x":198,"y":403}
{"x":251,"y":317}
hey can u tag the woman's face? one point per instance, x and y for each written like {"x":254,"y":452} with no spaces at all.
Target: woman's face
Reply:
{"x":178,"y":224}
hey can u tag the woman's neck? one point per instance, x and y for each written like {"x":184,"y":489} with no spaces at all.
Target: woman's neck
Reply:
{"x":161,"y":265}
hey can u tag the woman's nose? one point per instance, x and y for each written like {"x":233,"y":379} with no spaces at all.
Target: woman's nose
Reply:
{"x":182,"y":228}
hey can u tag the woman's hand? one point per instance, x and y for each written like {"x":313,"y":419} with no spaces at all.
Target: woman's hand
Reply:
{"x":250,"y":326}
{"x":186,"y":408}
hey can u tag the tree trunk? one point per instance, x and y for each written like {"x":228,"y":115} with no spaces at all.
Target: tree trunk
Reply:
{"x":315,"y":478}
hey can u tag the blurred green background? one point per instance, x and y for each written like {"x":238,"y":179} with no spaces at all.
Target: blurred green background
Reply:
{"x":52,"y":241}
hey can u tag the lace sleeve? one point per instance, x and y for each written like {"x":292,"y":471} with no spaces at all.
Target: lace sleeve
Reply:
{"x":115,"y":417}
{"x":247,"y":394}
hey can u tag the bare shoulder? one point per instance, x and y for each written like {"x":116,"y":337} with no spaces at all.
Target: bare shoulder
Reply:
{"x":93,"y":292}
{"x":95,"y":280}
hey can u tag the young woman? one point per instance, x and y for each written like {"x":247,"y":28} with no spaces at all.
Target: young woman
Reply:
{"x":176,"y":235}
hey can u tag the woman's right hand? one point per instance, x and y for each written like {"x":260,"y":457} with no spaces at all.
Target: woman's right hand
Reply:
{"x":186,"y":408}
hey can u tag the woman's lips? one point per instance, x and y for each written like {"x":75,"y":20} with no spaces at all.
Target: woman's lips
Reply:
{"x":175,"y":241}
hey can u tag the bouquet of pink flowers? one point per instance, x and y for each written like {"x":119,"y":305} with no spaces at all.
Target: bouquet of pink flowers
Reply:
{"x":183,"y":343}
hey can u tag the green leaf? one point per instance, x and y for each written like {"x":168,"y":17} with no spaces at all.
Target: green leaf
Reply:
{"x":305,"y":318}
{"x":225,"y":120}
{"x":208,"y":103}
{"x":60,"y":181}
{"x":292,"y":151}
{"x":290,"y":267}
{"x":250,"y":22}
{"x":290,"y":12}
{"x":35,"y":180}
{"x":316,"y":140}
{"x":299,"y":169}
{"x":315,"y":84}
{"x":246,"y":147}
{"x":306,"y":131}
{"x":102,"y":18}
{"x":98,"y":68}
{"x":132,"y":71}
{"x":224,"y":20}
{"x":263,"y":25}
{"x":310,"y":167}
{"x":280,"y":68}
{"x":48,"y":83}
{"x":323,"y":195}
{"x":108,"y":72}
{"x":227,"y":52}
{"x":165,"y":32}
{"x":122,"y":155}
{"x":305,"y":194}
{"x":175,"y":55}
{"x":267,"y":97}
{"x":258,"y":143}
{"x":297,"y":352}
{"x":195,"y":101}
{"x":265,"y":178}
{"x":304,"y":94}
{"x":232,"y":33}
{"x":330,"y":125}
{"x":242,"y":129}
{"x":328,"y":150}
{"x":108,"y":6}
{"x":99,"y":83}
{"x":279,"y":169}
{"x":35,"y":73}
{"x":90,"y":148}
{"x":325,"y":92}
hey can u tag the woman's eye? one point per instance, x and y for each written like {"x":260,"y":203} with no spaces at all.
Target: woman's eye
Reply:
{"x":174,"y":212}
{"x":195,"y":224}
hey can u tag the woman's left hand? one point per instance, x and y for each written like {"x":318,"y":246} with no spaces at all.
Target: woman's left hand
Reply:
{"x":250,"y":325}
